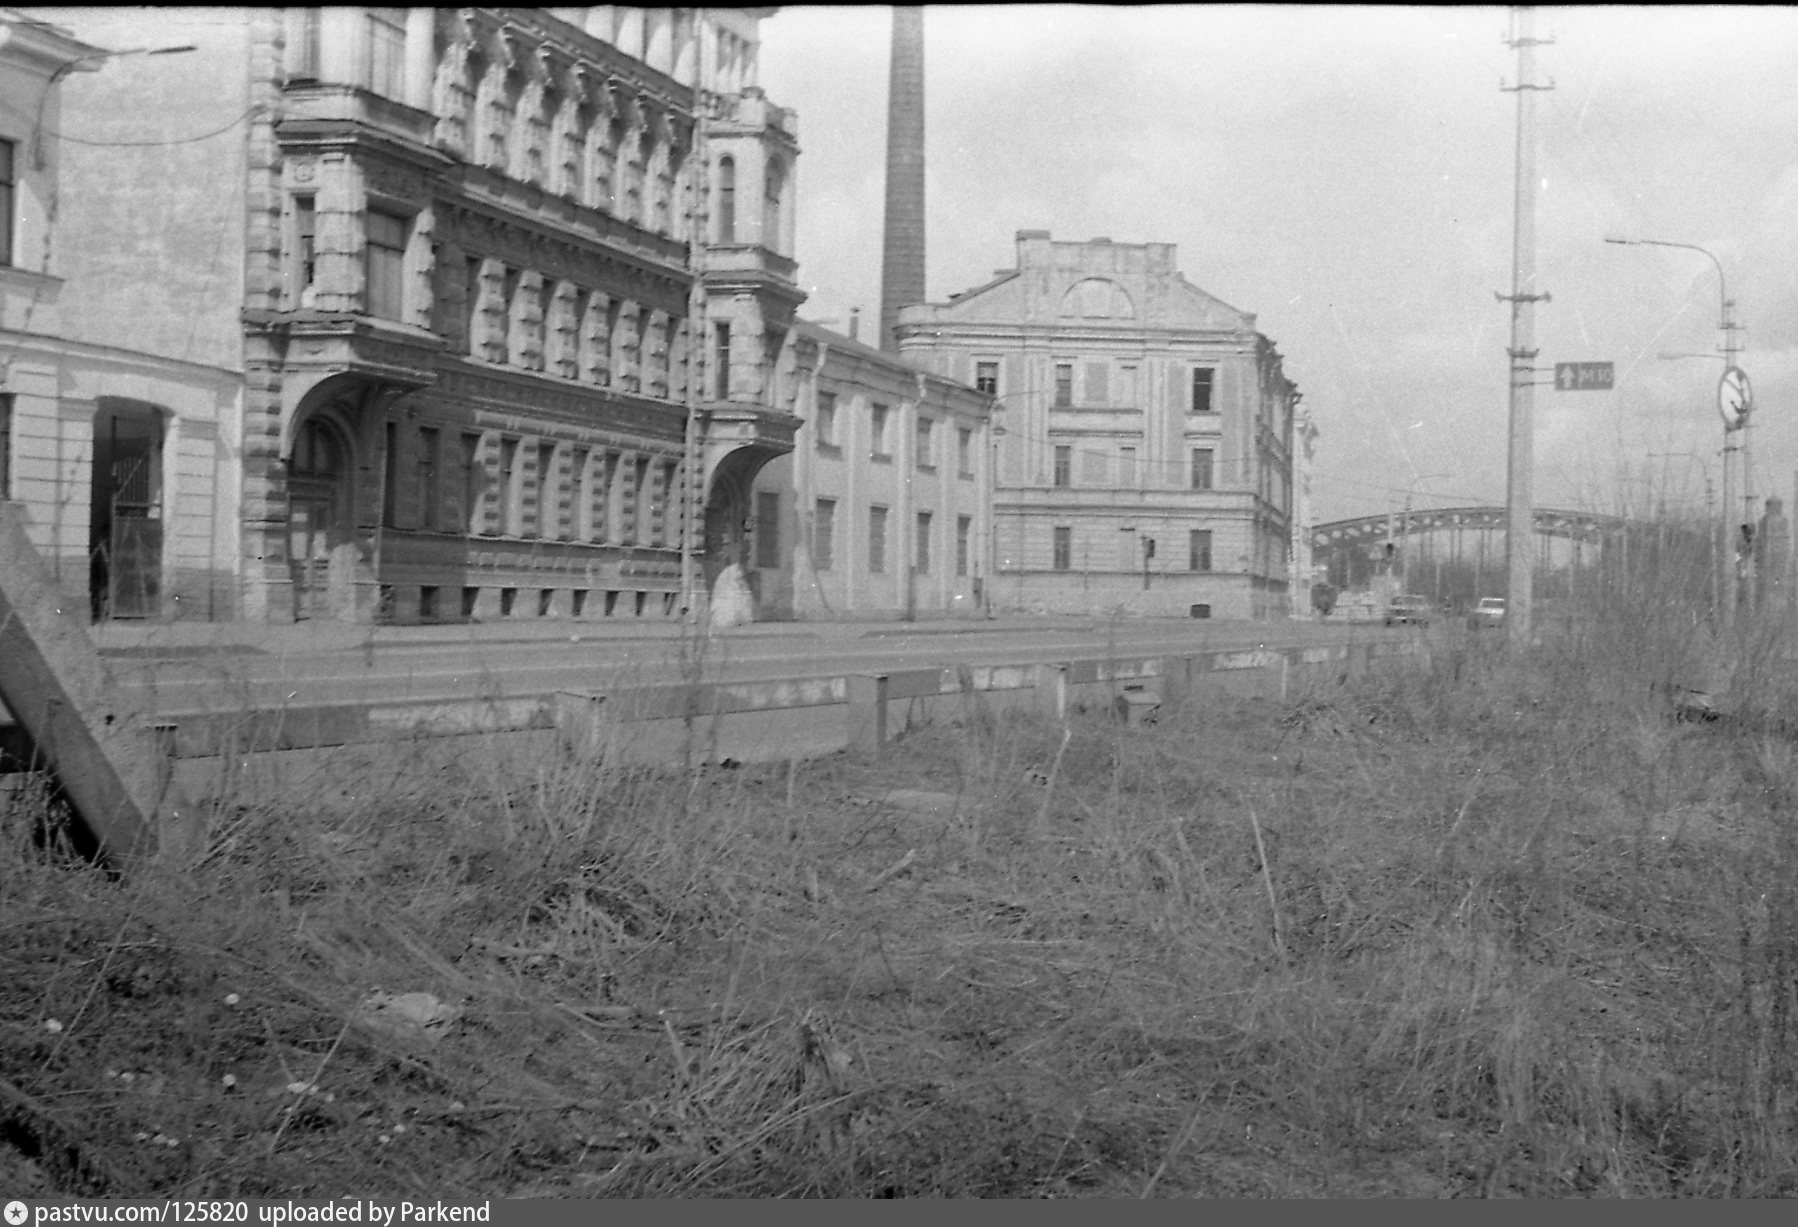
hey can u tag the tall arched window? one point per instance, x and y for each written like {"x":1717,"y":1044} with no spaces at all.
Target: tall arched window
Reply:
{"x":774,"y":187}
{"x":727,"y":200}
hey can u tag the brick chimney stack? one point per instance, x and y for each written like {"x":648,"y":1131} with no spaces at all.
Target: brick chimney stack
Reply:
{"x":902,"y":253}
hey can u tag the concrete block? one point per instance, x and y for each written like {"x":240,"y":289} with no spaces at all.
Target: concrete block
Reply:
{"x":113,"y":764}
{"x":867,"y":711}
{"x":1052,"y":690}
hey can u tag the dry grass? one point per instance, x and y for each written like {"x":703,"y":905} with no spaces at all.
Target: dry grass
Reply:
{"x":1497,"y":927}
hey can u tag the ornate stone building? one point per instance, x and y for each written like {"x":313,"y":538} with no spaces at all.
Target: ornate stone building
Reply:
{"x":1145,"y":433}
{"x":500,"y":295}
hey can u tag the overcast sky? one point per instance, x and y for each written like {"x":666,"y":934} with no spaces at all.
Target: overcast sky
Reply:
{"x":1346,"y":174}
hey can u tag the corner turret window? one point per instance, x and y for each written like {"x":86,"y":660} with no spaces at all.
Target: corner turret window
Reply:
{"x":386,"y":259}
{"x":727,"y":200}
{"x":774,"y":188}
{"x":386,"y":69}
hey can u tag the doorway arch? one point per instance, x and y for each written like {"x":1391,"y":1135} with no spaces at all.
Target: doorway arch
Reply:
{"x":125,"y":512}
{"x":729,"y":515}
{"x":319,"y":515}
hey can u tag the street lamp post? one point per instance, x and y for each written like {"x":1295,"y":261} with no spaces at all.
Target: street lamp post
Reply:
{"x":68,"y":66}
{"x":1705,"y":470}
{"x":1735,"y":402}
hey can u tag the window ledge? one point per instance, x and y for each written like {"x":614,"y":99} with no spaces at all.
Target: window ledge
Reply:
{"x":880,"y":458}
{"x":926,"y":468}
{"x":834,"y":451}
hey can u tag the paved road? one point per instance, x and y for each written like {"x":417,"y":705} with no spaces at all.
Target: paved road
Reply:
{"x":175,"y":671}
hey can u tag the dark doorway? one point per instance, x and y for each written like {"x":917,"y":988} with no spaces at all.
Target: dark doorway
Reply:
{"x":317,"y":514}
{"x":125,"y":517}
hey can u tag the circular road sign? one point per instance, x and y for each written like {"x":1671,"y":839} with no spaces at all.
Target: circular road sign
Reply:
{"x":1735,"y":399}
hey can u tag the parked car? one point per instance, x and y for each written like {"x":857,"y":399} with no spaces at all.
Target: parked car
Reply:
{"x":1489,"y":612}
{"x":1410,"y":608}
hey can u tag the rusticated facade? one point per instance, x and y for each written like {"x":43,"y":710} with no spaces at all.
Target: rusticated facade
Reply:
{"x":505,"y":291}
{"x":1145,"y":433}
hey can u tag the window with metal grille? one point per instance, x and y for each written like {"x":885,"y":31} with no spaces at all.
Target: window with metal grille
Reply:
{"x":1064,"y":549}
{"x":1064,"y":385}
{"x":1064,"y":466}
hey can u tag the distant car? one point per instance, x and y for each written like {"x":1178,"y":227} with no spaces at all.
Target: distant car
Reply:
{"x":1489,"y":612}
{"x":1410,"y":608}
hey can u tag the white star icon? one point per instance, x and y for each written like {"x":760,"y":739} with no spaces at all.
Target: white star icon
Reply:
{"x":16,"y":1213}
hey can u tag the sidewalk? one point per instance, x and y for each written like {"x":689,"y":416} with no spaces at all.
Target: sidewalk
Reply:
{"x":193,"y":638}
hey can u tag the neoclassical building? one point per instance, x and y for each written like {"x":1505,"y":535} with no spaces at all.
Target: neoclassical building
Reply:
{"x":480,"y":311}
{"x":883,"y":509}
{"x":87,"y":445}
{"x":1145,"y":433}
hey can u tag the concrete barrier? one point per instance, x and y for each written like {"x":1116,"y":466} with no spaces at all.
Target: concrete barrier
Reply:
{"x":772,"y":720}
{"x":112,"y":763}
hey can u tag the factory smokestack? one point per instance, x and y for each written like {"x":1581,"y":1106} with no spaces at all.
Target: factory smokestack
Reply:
{"x":902,"y":252}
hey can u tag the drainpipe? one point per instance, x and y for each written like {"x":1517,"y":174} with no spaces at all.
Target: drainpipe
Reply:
{"x":697,"y":347}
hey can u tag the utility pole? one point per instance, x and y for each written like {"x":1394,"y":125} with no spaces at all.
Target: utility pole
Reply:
{"x":698,"y":235}
{"x":1519,"y":508}
{"x":1735,"y":402}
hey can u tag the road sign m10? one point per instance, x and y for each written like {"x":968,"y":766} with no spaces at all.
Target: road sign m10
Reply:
{"x":1582,"y":376}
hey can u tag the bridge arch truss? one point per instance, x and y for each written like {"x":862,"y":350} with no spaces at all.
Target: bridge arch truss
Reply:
{"x":1335,"y":542}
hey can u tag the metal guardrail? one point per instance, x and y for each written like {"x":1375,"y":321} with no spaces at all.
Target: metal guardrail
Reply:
{"x":784,"y":717}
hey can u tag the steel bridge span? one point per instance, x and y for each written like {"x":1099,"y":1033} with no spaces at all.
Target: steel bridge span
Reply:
{"x":1474,"y":534}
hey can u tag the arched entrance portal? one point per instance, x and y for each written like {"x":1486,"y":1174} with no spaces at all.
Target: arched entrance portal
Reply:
{"x":125,"y":516}
{"x":728,"y":513}
{"x":318,"y":516}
